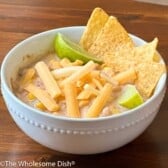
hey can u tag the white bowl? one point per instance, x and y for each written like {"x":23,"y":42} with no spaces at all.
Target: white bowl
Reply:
{"x":77,"y":136}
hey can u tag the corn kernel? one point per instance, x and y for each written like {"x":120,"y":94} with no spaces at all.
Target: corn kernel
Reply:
{"x":28,"y":76}
{"x":65,"y":62}
{"x":40,"y":106}
{"x":30,"y":96}
{"x":53,"y":64}
{"x":114,"y":110}
{"x":77,"y":62}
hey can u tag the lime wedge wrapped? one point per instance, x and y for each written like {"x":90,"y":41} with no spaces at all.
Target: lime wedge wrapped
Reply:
{"x":66,"y":48}
{"x":130,"y":97}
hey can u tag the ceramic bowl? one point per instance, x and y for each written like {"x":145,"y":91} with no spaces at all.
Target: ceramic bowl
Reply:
{"x":77,"y":136}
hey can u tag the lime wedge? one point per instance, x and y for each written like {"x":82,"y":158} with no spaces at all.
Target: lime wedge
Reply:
{"x":66,"y":48}
{"x":130,"y":97}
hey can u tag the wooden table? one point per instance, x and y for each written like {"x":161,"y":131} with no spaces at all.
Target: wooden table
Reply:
{"x":20,"y":19}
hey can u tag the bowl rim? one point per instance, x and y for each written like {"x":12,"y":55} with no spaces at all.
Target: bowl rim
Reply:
{"x":5,"y":86}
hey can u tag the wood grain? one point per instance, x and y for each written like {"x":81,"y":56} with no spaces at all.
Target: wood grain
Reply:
{"x":20,"y":19}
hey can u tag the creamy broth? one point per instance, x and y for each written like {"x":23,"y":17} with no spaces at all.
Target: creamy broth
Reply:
{"x":92,"y":82}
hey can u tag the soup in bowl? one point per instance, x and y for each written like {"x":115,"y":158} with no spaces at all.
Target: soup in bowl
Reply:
{"x":97,"y":131}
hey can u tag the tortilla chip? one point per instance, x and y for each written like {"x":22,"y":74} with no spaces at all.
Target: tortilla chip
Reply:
{"x":95,"y":23}
{"x":149,"y":74}
{"x":108,"y":40}
{"x":156,"y":57}
{"x":123,"y":59}
{"x":120,"y":61}
{"x":146,"y":52}
{"x":112,"y":38}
